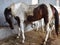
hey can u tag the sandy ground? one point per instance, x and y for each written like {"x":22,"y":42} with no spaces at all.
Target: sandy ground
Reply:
{"x":32,"y":38}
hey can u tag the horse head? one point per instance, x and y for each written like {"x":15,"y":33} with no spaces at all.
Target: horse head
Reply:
{"x":8,"y":16}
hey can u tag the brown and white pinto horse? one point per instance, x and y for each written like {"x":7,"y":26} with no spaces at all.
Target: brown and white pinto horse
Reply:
{"x":42,"y":12}
{"x":23,"y":14}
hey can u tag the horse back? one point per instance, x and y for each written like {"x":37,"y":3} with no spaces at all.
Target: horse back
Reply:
{"x":30,"y":10}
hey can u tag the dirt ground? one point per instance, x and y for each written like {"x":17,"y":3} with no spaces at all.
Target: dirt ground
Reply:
{"x":32,"y":38}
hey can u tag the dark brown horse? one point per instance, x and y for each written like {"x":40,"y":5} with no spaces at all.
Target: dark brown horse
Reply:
{"x":40,"y":11}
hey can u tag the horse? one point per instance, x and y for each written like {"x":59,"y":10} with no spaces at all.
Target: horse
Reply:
{"x":48,"y":12}
{"x":24,"y":13}
{"x":18,"y":11}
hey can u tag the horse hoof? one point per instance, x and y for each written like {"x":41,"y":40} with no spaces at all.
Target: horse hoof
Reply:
{"x":41,"y":44}
{"x":17,"y":36}
{"x":44,"y":44}
{"x":23,"y":41}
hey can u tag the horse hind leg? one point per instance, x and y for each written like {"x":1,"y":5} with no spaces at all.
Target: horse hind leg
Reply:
{"x":47,"y":35}
{"x":42,"y":24}
{"x":47,"y":29}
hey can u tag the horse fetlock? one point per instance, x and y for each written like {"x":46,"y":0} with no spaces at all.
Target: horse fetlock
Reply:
{"x":37,"y":29}
{"x":23,"y":37}
{"x":23,"y":41}
{"x":17,"y":36}
{"x":44,"y":43}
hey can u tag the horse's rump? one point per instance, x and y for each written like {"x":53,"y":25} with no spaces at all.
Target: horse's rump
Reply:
{"x":30,"y":10}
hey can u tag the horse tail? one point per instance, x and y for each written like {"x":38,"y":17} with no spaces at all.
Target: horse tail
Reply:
{"x":56,"y":22}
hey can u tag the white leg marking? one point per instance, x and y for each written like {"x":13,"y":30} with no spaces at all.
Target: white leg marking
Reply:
{"x":37,"y":25}
{"x":22,"y":29}
{"x":18,"y":33}
{"x":47,"y":35}
{"x":42,"y":21}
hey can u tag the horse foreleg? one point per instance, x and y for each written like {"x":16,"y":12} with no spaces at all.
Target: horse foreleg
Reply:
{"x":18,"y":33}
{"x":18,"y":21}
{"x":22,"y":29}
